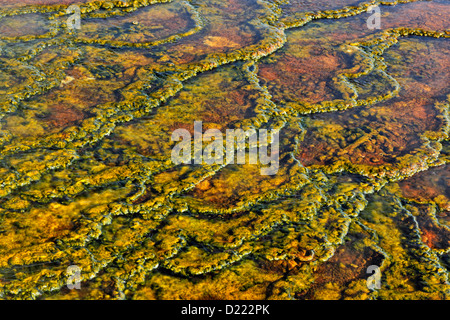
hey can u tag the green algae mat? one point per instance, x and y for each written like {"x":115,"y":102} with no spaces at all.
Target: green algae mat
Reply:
{"x":92,"y":205}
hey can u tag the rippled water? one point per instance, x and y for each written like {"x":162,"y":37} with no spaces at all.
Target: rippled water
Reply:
{"x":86,"y":117}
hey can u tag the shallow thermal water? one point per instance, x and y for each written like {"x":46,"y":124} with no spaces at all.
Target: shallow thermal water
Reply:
{"x":86,"y":118}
